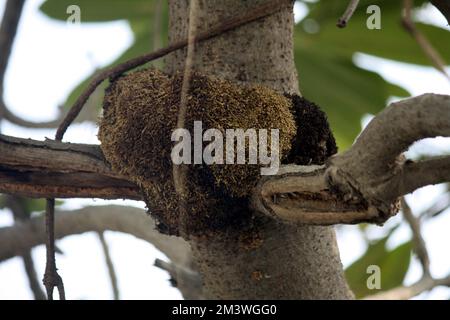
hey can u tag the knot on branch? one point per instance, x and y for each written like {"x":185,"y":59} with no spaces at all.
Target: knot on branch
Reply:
{"x":304,"y":195}
{"x":349,"y":190}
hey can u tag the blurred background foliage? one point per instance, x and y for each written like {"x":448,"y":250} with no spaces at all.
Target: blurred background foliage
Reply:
{"x":329,"y":76}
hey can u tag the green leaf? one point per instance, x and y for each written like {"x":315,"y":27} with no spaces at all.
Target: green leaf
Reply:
{"x":144,"y":39}
{"x":344,"y":91}
{"x":328,"y":75}
{"x":397,"y":91}
{"x":391,"y":42}
{"x":142,"y":44}
{"x":393,"y":265}
{"x":36,"y":205}
{"x":91,"y":109}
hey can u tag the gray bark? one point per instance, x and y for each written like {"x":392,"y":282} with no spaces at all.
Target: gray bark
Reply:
{"x":290,"y":262}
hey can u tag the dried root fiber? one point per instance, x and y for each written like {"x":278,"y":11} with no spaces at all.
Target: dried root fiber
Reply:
{"x":140,"y":114}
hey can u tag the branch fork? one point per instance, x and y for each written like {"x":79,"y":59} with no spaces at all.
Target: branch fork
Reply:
{"x":364,"y":183}
{"x":359,"y":185}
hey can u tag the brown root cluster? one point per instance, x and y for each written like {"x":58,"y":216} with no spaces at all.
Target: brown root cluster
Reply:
{"x":140,"y":114}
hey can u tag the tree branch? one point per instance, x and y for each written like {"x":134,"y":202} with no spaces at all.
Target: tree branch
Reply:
{"x":8,"y":30}
{"x":440,"y":205}
{"x":6,"y":114}
{"x":19,"y":238}
{"x":419,"y":174}
{"x":427,"y":48}
{"x":343,"y":20}
{"x":372,"y":168}
{"x":33,"y":281}
{"x":419,"y":243}
{"x":15,"y":204}
{"x":363,"y":183}
{"x":24,"y":236}
{"x":179,"y":172}
{"x":51,"y":279}
{"x":427,"y":282}
{"x":301,"y":194}
{"x":54,"y":169}
{"x":109,"y":265}
{"x":404,"y":293}
{"x":48,"y":169}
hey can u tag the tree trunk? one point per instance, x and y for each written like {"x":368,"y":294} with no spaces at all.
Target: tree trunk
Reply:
{"x":286,"y":262}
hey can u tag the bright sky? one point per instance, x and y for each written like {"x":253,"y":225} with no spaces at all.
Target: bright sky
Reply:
{"x":50,"y":58}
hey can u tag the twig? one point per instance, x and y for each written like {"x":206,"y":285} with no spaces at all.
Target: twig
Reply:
{"x":33,"y":281}
{"x":8,"y":31}
{"x":404,"y":293}
{"x":432,"y":54}
{"x":110,"y":266}
{"x":6,"y":114}
{"x":18,"y":238}
{"x":257,"y":13}
{"x":21,"y":216}
{"x":51,"y":276}
{"x":440,"y":205}
{"x":363,"y":183}
{"x":179,"y":171}
{"x":343,"y":20}
{"x":430,"y":171}
{"x":418,"y":241}
{"x":192,"y":32}
{"x":427,"y":282}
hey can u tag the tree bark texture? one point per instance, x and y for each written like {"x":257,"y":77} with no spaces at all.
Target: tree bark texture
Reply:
{"x":286,"y":262}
